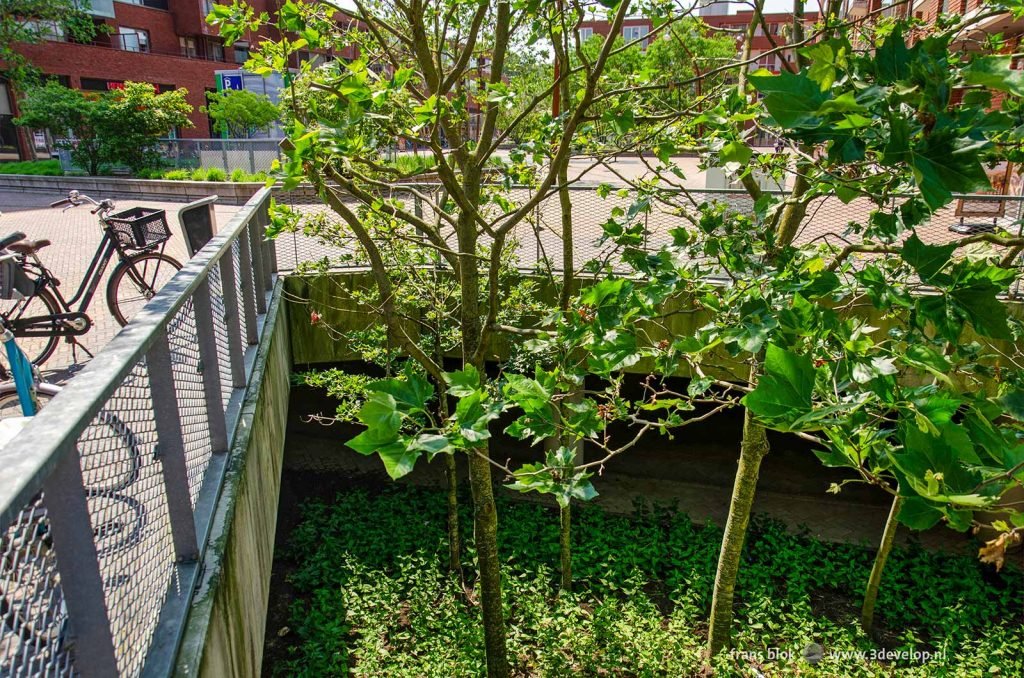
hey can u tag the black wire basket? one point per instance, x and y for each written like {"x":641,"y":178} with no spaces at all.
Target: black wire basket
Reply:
{"x":139,"y":227}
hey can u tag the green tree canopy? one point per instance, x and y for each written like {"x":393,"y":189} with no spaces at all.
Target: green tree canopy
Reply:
{"x":120,"y":127}
{"x":240,"y":113}
{"x":33,"y":21}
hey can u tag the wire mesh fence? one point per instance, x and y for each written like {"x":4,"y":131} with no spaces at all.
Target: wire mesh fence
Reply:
{"x":322,"y":238}
{"x":103,"y":516}
{"x":248,"y":155}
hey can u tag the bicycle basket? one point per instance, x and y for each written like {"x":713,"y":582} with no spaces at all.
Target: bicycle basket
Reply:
{"x":14,"y":282}
{"x":139,"y":227}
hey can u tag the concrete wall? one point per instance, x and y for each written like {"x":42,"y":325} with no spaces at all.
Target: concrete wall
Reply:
{"x":327,"y":295}
{"x":224,"y":634}
{"x":124,"y":187}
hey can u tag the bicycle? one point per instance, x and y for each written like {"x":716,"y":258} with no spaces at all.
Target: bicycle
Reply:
{"x":137,"y":238}
{"x":32,"y":609}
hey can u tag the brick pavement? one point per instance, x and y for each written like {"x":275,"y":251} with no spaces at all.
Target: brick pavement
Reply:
{"x":75,"y":234}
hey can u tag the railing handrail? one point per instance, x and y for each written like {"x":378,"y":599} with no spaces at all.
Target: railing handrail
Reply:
{"x":27,"y":459}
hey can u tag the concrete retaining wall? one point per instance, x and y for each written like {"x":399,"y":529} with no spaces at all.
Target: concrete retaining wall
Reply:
{"x":224,"y":634}
{"x":127,"y":187}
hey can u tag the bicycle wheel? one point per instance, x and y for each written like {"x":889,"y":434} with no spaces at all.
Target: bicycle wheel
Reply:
{"x":110,"y":452}
{"x":10,"y":406}
{"x":42,"y":303}
{"x":136,"y":280}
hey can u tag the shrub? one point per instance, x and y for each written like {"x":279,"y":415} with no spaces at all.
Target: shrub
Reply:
{"x":238,"y":175}
{"x":216,"y":174}
{"x":198,"y":174}
{"x":178,"y":175}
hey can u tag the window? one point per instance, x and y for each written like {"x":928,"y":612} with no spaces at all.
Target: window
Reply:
{"x":47,"y":30}
{"x":188,"y":47}
{"x":155,"y":4}
{"x":241,"y":52}
{"x":133,"y":39}
{"x":214,"y":49}
{"x":633,"y":33}
{"x":767,"y":61}
{"x":586,"y":34}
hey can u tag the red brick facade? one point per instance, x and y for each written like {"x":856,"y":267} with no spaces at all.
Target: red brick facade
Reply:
{"x":735,"y":24}
{"x":182,"y":51}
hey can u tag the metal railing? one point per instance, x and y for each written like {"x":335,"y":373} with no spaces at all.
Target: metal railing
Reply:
{"x":107,"y":495}
{"x":249,"y":155}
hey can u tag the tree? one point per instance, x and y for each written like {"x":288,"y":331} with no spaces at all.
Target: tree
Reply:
{"x":240,"y":113}
{"x":120,"y":127}
{"x":29,"y":22}
{"x":783,"y":331}
{"x":417,"y":72}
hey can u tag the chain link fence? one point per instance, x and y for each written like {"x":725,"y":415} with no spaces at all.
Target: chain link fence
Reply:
{"x":248,"y":155}
{"x":107,"y":492}
{"x":321,"y":235}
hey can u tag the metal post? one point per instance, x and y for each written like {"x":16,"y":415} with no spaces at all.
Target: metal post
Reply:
{"x":231,"y":319}
{"x":171,"y":450}
{"x":210,"y":367}
{"x":224,"y":155}
{"x":245,"y":267}
{"x":254,"y":232}
{"x":266,"y":247}
{"x":81,"y":581}
{"x":252,"y":158}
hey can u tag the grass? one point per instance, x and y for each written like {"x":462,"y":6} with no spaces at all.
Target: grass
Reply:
{"x":205,"y":174}
{"x":49,"y":168}
{"x":413,"y":164}
{"x":373,"y":597}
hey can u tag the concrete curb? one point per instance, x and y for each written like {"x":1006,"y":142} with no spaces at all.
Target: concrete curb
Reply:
{"x":126,"y":187}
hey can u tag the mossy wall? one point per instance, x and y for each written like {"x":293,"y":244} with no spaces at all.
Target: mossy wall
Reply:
{"x":225,"y":630}
{"x":328,"y":296}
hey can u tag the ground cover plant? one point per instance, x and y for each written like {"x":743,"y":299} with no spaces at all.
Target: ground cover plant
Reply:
{"x":374,"y":596}
{"x":895,"y":354}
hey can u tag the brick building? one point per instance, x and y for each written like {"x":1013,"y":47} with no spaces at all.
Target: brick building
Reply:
{"x":163,"y":42}
{"x":717,"y":16}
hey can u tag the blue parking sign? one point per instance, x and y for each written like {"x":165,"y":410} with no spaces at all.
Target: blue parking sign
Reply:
{"x":231,"y":81}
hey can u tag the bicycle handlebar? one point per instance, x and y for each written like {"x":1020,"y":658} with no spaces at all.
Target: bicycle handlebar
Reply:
{"x":75,"y":199}
{"x":11,"y":238}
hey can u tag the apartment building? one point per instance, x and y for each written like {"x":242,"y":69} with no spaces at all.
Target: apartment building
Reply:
{"x":717,"y":15}
{"x":163,"y":42}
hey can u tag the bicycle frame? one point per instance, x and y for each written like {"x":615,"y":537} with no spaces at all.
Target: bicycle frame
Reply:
{"x":90,"y":282}
{"x":22,"y":373}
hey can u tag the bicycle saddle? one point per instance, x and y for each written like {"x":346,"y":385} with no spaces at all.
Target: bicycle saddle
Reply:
{"x":28,"y":246}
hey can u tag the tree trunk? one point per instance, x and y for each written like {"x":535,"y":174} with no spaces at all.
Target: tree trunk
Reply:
{"x":454,"y":538}
{"x":564,"y":545}
{"x":752,"y":452}
{"x":867,"y":612}
{"x":485,"y":528}
{"x":485,"y":513}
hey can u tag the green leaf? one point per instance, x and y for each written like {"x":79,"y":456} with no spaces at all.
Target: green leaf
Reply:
{"x":431,"y":443}
{"x":927,"y":260}
{"x":792,"y":99}
{"x":463,"y":382}
{"x":380,"y":412}
{"x":995,"y":72}
{"x":398,"y":459}
{"x":737,"y":152}
{"x":1013,"y":404}
{"x":784,"y":390}
{"x":917,"y":514}
{"x":892,"y":59}
{"x":411,"y":393}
